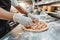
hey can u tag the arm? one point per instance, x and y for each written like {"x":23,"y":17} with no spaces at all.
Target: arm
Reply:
{"x":15,"y":17}
{"x":6,"y":15}
{"x":22,"y":10}
{"x":18,"y":7}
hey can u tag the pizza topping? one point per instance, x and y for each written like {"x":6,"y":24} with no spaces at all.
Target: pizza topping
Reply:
{"x":37,"y":26}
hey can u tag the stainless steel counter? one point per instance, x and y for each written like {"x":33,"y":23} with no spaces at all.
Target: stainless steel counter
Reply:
{"x":53,"y":33}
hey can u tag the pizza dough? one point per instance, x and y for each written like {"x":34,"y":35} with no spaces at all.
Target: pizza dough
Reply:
{"x":36,"y":26}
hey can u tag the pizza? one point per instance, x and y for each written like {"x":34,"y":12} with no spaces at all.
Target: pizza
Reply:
{"x":38,"y":26}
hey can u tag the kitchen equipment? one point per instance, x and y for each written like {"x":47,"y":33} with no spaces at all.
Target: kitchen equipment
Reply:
{"x":55,"y":15}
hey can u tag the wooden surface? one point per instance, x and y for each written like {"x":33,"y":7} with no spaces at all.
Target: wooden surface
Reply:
{"x":57,"y":4}
{"x":48,"y":8}
{"x":51,"y":3}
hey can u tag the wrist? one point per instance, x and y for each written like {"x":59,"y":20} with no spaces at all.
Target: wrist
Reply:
{"x":15,"y":17}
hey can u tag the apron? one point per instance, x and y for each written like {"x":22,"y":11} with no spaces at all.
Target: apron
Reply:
{"x":4,"y":24}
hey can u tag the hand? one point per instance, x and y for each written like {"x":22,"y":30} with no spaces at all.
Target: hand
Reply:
{"x":34,"y":17}
{"x":22,"y":19}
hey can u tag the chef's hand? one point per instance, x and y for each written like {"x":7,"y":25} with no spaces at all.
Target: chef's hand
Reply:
{"x":22,"y":19}
{"x":33,"y":17}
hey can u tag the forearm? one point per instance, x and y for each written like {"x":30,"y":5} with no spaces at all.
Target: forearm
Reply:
{"x":22,"y":10}
{"x":18,"y":7}
{"x":5,"y":14}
